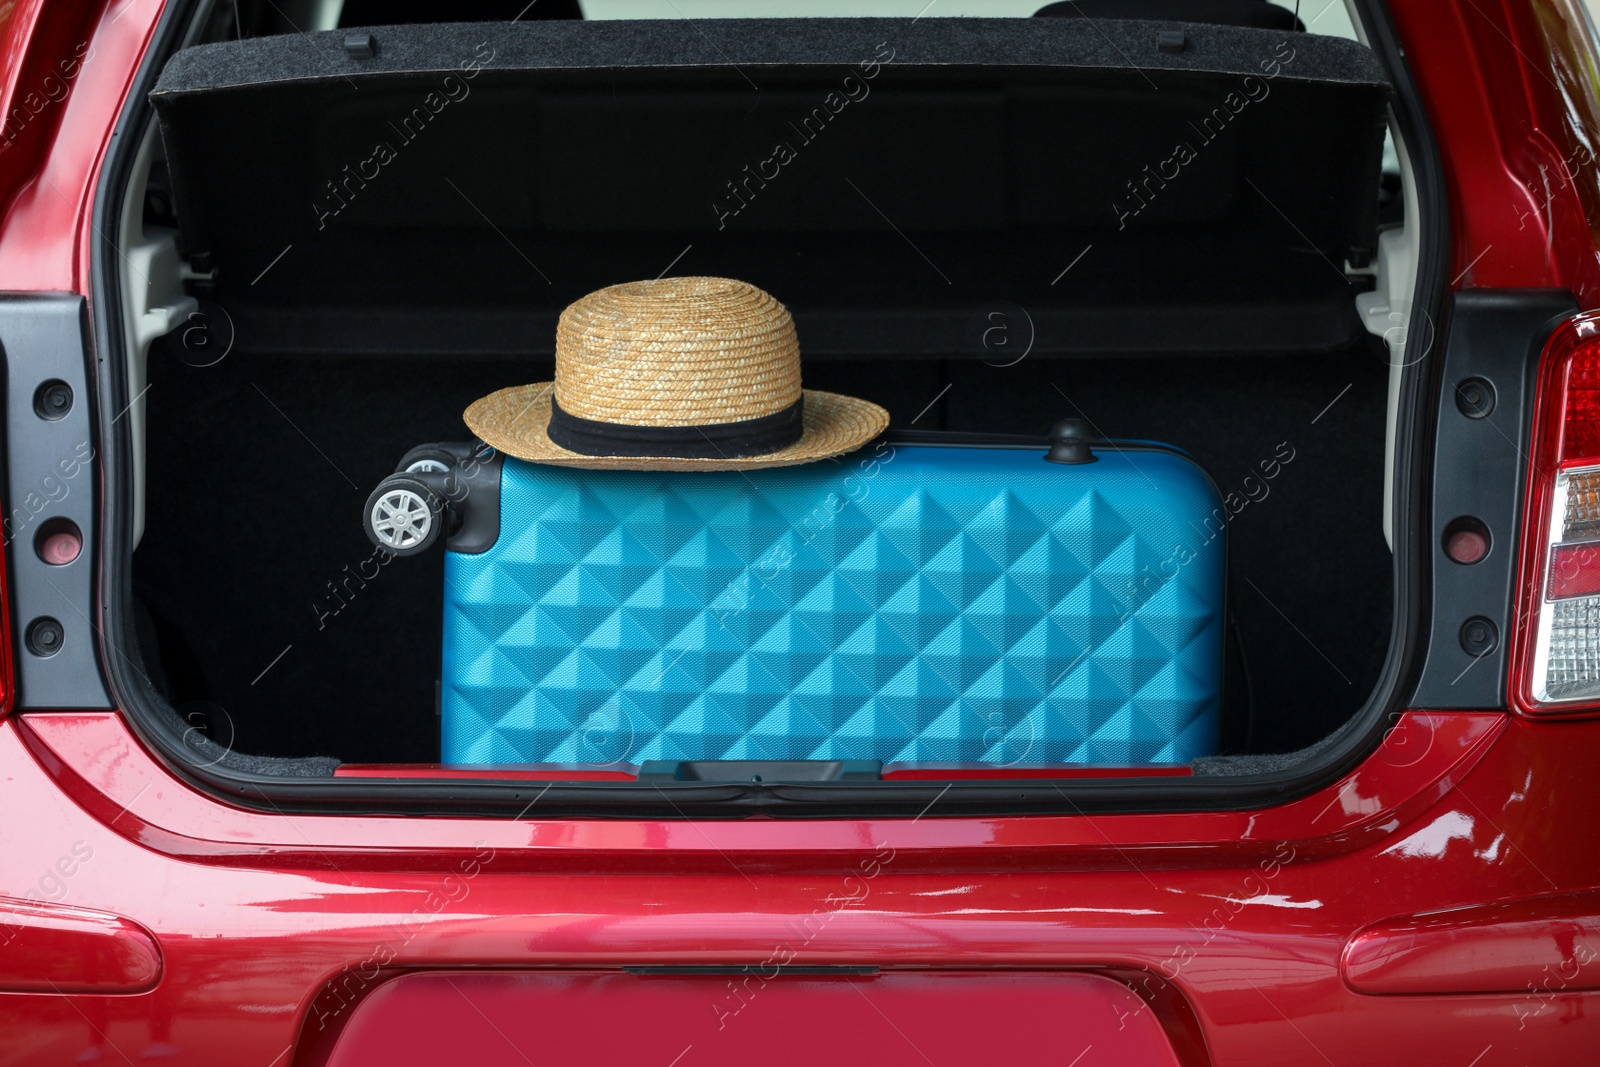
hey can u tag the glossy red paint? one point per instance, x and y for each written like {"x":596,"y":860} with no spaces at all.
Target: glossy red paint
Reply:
{"x":1548,"y":941}
{"x":889,"y":1020}
{"x":1509,"y":88}
{"x":50,"y":948}
{"x":47,"y":174}
{"x":1232,"y":929}
{"x":630,"y":773}
{"x":279,"y":925}
{"x":41,"y":60}
{"x":100,"y":766}
{"x":444,"y":772}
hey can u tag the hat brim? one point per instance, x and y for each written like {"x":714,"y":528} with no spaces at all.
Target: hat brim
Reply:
{"x":516,"y":421}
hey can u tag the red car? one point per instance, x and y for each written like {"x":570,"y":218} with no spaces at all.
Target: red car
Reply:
{"x":226,"y":834}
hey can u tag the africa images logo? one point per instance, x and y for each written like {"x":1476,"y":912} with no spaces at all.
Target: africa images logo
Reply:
{"x":1143,"y":190}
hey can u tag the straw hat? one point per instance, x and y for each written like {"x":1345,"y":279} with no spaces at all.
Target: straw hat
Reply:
{"x":675,"y":374}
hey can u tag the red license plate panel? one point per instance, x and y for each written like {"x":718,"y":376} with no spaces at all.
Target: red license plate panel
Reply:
{"x":568,"y":1019}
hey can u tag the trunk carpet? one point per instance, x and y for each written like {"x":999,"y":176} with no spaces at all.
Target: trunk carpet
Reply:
{"x":277,"y":620}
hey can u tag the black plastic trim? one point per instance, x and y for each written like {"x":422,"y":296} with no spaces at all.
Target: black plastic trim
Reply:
{"x":480,"y":523}
{"x":750,"y":770}
{"x":162,"y":730}
{"x":1480,"y":471}
{"x":50,"y":475}
{"x":470,"y":490}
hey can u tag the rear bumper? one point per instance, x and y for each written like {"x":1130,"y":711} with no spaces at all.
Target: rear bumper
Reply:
{"x":273,"y":927}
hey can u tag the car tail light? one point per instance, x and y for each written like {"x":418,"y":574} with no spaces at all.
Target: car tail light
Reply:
{"x":1556,"y":666}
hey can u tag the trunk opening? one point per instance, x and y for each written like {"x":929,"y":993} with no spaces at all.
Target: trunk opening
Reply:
{"x":978,"y":236}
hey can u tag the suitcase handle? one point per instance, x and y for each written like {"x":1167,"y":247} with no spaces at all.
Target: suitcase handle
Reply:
{"x":1069,"y":442}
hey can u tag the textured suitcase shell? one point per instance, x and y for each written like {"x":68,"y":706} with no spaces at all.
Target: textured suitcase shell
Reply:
{"x":909,"y":603}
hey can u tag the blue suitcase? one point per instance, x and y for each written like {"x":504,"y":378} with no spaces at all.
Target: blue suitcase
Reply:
{"x":931,"y":599}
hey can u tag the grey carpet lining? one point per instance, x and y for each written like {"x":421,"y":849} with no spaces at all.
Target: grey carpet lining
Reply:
{"x":655,"y":43}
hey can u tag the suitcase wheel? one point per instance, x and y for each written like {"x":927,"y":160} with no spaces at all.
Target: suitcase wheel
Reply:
{"x":404,"y":515}
{"x":425,"y":458}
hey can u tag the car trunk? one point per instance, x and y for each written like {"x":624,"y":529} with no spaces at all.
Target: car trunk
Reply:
{"x":982,"y":225}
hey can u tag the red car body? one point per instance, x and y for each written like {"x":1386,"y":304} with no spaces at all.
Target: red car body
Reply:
{"x":1438,"y":904}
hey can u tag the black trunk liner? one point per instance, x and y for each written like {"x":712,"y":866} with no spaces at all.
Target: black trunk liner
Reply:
{"x":273,"y":607}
